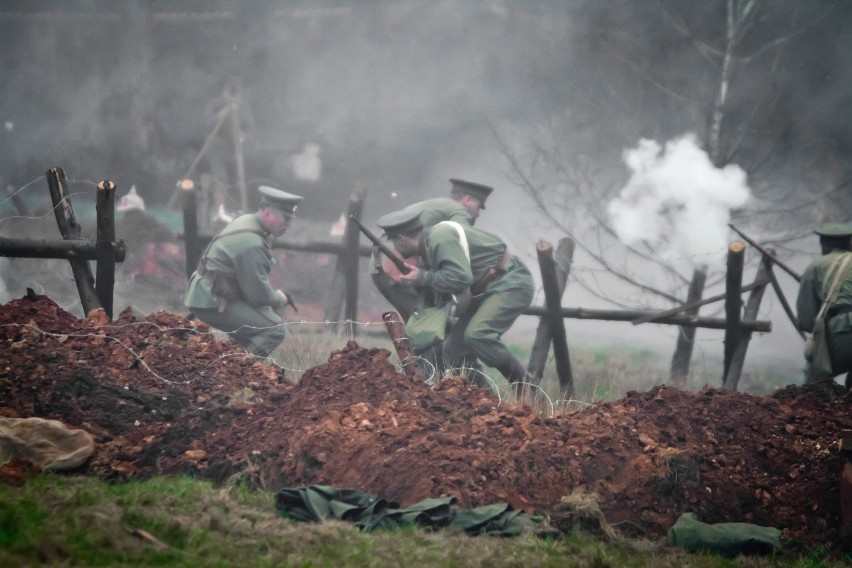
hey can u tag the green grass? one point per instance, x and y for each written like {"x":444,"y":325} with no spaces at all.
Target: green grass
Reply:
{"x":168,"y":521}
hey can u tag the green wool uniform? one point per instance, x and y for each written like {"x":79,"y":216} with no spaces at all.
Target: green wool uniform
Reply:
{"x":812,"y":293}
{"x":445,"y":269}
{"x":242,"y":253}
{"x":432,"y":212}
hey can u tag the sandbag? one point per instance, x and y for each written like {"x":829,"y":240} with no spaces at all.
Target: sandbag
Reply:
{"x":726,"y":539}
{"x":49,"y":444}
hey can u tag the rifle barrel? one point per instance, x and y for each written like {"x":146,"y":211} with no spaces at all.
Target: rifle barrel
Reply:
{"x":398,"y":262}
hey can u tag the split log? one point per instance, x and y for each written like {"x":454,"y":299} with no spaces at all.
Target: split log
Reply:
{"x":192,"y":244}
{"x":732,"y":376}
{"x":543,"y":337}
{"x":70,"y":231}
{"x":65,"y":250}
{"x":682,"y":320}
{"x":552,"y":295}
{"x":733,"y":302}
{"x":105,"y":240}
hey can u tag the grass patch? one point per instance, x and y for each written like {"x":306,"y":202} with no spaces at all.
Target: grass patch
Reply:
{"x":601,"y":373}
{"x":178,"y":521}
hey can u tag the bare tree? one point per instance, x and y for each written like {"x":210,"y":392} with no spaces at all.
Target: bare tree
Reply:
{"x":728,"y":71}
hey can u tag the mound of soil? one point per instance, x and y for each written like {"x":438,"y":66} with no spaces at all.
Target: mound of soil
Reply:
{"x":161,"y":395}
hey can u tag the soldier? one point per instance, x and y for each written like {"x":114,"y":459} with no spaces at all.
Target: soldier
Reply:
{"x":455,"y":260}
{"x":824,"y":304}
{"x":230,"y":288}
{"x":466,"y":201}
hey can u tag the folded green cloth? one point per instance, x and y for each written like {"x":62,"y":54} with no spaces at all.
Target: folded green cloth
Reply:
{"x":317,"y":503}
{"x":727,"y":539}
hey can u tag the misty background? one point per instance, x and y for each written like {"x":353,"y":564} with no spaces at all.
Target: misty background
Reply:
{"x":643,"y":124}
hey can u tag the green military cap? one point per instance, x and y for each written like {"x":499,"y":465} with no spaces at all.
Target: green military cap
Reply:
{"x":281,"y":200}
{"x":403,"y":222}
{"x":477,"y":190}
{"x":835,"y":230}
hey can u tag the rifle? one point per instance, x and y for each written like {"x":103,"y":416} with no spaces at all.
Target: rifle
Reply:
{"x":767,"y":254}
{"x":400,"y":265}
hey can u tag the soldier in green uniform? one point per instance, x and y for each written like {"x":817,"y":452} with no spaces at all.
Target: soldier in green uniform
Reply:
{"x":462,"y":261}
{"x":836,"y":242}
{"x":466,"y":201}
{"x":230,"y":289}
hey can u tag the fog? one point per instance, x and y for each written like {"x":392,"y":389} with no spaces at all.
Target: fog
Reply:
{"x":393,"y":98}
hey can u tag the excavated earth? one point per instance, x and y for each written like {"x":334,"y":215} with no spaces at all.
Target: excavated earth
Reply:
{"x":161,"y":395}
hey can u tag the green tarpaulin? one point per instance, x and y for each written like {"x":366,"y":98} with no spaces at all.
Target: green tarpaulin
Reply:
{"x":317,"y":503}
{"x":728,"y":539}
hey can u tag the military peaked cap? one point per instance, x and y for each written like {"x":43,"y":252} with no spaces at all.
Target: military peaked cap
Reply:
{"x":477,"y":190}
{"x":404,"y":222}
{"x":281,"y":200}
{"x":835,"y":230}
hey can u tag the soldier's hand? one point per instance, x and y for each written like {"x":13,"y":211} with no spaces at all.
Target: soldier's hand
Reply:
{"x":409,"y":279}
{"x":287,"y":300}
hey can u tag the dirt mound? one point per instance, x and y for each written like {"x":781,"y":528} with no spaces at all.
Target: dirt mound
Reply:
{"x":161,"y":395}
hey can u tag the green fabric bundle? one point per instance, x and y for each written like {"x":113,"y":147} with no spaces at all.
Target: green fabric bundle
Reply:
{"x":727,"y":539}
{"x":317,"y":503}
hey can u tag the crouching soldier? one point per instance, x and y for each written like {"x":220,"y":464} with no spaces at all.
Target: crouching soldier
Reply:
{"x":493,"y":287}
{"x":230,"y":289}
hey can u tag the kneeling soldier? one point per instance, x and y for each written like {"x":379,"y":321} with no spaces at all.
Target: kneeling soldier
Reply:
{"x":230,"y":289}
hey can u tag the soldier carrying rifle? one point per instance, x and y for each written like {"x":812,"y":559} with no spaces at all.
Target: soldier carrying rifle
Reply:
{"x":457,"y":260}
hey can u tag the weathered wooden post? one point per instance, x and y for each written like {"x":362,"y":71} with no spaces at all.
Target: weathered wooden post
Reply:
{"x":543,"y":336}
{"x":761,"y":280}
{"x":70,"y":231}
{"x":105,"y":266}
{"x":396,"y":330}
{"x":733,"y":302}
{"x":350,"y":261}
{"x":682,"y":356}
{"x":345,"y":269}
{"x":191,"y":241}
{"x":550,"y":283}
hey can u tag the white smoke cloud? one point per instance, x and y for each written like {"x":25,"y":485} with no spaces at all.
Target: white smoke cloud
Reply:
{"x":677,"y":196}
{"x":307,"y":165}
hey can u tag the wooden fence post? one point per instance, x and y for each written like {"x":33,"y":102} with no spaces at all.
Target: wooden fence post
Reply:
{"x":350,"y":262}
{"x":686,"y":338}
{"x":70,"y":231}
{"x":346,"y":272}
{"x":543,"y":336}
{"x":733,"y":302}
{"x":105,"y":266}
{"x":761,"y":279}
{"x":556,"y":323}
{"x":191,"y":242}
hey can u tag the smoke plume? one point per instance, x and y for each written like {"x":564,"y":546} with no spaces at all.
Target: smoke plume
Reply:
{"x":677,"y":201}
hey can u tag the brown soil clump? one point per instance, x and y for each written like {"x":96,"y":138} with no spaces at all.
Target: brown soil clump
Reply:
{"x":162,"y":396}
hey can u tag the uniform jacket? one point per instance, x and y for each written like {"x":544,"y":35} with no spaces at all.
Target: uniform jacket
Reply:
{"x":812,"y":294}
{"x":447,"y":270}
{"x":247,"y":255}
{"x":432,"y":212}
